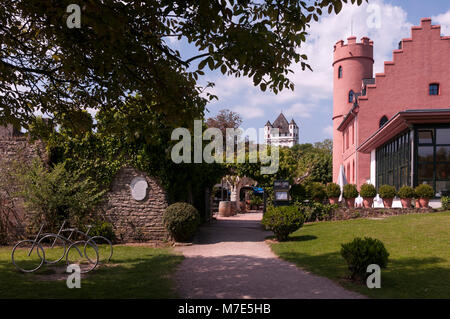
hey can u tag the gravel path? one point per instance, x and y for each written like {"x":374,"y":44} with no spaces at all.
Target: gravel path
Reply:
{"x":229,"y":259}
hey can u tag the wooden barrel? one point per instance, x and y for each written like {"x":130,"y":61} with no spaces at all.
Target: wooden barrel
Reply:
{"x":225,"y":208}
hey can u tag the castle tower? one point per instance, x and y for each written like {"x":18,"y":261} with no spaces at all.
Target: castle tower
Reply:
{"x":352,"y":63}
{"x":293,"y":130}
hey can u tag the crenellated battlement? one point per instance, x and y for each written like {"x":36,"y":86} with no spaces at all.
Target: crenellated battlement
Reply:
{"x":353,"y":49}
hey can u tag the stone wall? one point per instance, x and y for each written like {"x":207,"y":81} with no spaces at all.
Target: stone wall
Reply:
{"x":15,"y":149}
{"x":136,"y":220}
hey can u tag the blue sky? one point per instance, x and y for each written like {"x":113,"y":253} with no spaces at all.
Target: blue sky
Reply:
{"x":310,"y":104}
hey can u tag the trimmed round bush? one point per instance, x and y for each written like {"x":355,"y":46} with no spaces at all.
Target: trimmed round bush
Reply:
{"x":362,"y":252}
{"x":181,"y":221}
{"x":316,"y":190}
{"x":283,"y":220}
{"x":298,"y":192}
{"x":424,"y":191}
{"x":387,"y":191}
{"x":368,"y":191}
{"x":350,"y":191}
{"x":333,"y":190}
{"x":406,"y":192}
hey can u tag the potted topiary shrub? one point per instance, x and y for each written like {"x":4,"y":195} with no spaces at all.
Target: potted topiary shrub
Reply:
{"x":350,"y":193}
{"x":333,"y":192}
{"x":387,"y":193}
{"x":368,"y":192}
{"x":424,"y":192}
{"x":406,"y":193}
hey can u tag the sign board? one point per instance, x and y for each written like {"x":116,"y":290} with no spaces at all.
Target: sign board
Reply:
{"x":281,"y":185}
{"x":281,"y":192}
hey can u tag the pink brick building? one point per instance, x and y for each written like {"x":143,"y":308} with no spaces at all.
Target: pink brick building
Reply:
{"x":394,"y":127}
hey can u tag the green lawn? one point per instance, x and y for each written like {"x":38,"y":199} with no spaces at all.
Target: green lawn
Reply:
{"x":419,"y":247}
{"x":136,"y":272}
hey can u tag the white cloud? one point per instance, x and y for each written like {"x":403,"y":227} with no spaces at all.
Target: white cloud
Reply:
{"x":249,"y":112}
{"x":299,"y":110}
{"x":444,"y":20}
{"x":313,"y":88}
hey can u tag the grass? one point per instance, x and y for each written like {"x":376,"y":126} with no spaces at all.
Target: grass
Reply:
{"x":419,"y":247}
{"x":135,"y":272}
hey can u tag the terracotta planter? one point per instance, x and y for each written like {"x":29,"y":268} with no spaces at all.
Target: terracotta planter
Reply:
{"x":350,"y":202}
{"x":387,"y":202}
{"x":417,"y":204}
{"x":406,"y":202}
{"x":424,"y":202}
{"x":367,"y":201}
{"x":333,"y":200}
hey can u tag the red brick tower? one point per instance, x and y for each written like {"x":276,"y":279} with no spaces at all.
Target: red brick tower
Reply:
{"x":352,"y":63}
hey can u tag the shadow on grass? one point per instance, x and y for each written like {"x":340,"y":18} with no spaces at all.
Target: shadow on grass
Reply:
{"x":148,"y":276}
{"x":302,"y":238}
{"x":403,"y":278}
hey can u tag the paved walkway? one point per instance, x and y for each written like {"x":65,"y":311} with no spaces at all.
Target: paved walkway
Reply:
{"x":229,"y":259}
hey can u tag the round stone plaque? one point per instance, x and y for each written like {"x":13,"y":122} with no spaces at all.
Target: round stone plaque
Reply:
{"x":139,"y":188}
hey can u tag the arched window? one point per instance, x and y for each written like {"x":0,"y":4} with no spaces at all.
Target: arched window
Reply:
{"x":383,"y":120}
{"x":340,"y":72}
{"x":351,"y":96}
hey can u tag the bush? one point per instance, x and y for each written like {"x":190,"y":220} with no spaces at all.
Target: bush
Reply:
{"x":350,"y":191}
{"x":316,"y":191}
{"x":318,"y":211}
{"x":283,"y":220}
{"x":256,"y":200}
{"x":445,"y":200}
{"x":360,"y":253}
{"x":406,"y":192}
{"x":368,"y":191}
{"x":424,"y":191}
{"x":298,"y":192}
{"x":387,"y":191}
{"x":102,"y":228}
{"x":55,"y":195}
{"x":333,"y":190}
{"x":181,"y":221}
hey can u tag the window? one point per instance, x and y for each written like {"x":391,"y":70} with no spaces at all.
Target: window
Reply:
{"x":351,"y":96}
{"x":340,"y":72}
{"x":433,"y":158}
{"x":354,"y":171}
{"x":353,"y":134}
{"x":383,"y":121}
{"x":346,"y":139}
{"x":393,"y":162}
{"x":434,"y":89}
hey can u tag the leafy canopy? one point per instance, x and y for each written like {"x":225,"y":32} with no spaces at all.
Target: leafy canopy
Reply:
{"x":124,"y":48}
